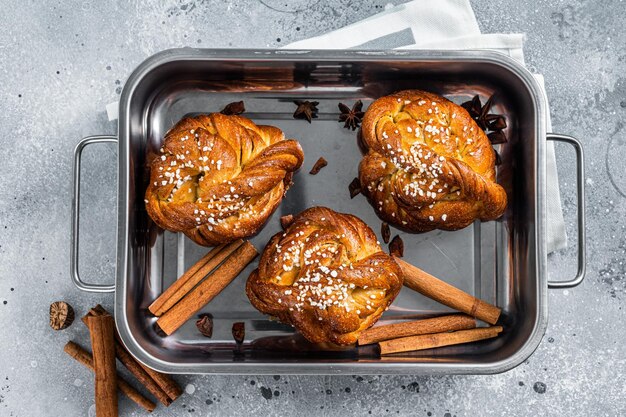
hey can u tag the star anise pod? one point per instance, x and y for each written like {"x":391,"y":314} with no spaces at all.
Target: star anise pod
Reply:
{"x":306,"y":110}
{"x":492,"y":123}
{"x":473,"y":107}
{"x":497,"y":137}
{"x":351,"y":117}
{"x":236,"y":107}
{"x":484,"y":111}
{"x":495,"y":122}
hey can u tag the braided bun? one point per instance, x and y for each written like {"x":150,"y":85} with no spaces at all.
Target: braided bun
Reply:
{"x":326,"y":275}
{"x":428,"y":165}
{"x":219,"y":178}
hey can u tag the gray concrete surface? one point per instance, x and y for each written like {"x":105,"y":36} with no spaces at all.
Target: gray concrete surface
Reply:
{"x":62,"y":62}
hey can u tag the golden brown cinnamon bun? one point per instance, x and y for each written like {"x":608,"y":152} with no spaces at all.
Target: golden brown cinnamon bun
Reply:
{"x":428,"y":164}
{"x":326,"y":275}
{"x":218,"y":178}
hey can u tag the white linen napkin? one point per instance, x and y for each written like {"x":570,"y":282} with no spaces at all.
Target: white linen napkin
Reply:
{"x":444,"y":24}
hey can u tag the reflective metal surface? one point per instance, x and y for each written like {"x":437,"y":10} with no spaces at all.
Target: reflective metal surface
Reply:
{"x":580,"y":189}
{"x":75,"y":240}
{"x":502,"y":262}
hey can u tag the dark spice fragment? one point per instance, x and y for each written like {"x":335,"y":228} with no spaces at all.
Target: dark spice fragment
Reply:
{"x":498,"y":158}
{"x":396,"y":247}
{"x":496,"y":137}
{"x":351,"y":118}
{"x":355,"y":188}
{"x":306,"y":110}
{"x":205,"y":326}
{"x":285,"y":221}
{"x":385,"y":232}
{"x":484,"y":111}
{"x":288,"y":180}
{"x":61,"y":315}
{"x":493,"y":123}
{"x":239,"y":332}
{"x":317,"y":167}
{"x":473,"y":107}
{"x":236,"y":107}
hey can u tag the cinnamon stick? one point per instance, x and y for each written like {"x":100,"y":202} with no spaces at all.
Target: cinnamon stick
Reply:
{"x":192,"y":277}
{"x":428,"y":341}
{"x":164,"y":388}
{"x":167,"y":384}
{"x":101,"y":329}
{"x":142,"y":376}
{"x":446,"y":294}
{"x":207,"y":289}
{"x":83,"y":357}
{"x":413,"y":328}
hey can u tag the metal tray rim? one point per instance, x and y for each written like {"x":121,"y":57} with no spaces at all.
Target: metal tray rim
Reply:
{"x":171,"y":55}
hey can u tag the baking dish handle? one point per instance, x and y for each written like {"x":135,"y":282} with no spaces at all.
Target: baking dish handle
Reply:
{"x":580,"y":187}
{"x":82,"y":285}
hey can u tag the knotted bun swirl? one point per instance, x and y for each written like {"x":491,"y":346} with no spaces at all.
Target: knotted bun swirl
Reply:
{"x":326,"y":275}
{"x":428,"y":164}
{"x":218,"y":178}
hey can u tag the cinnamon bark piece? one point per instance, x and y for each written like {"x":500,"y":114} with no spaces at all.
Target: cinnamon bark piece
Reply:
{"x":417,"y":327}
{"x":164,"y":388}
{"x":191,"y":303}
{"x":83,"y":357}
{"x":447,"y":294}
{"x":192,"y":277}
{"x":102,"y":329}
{"x":429,"y":341}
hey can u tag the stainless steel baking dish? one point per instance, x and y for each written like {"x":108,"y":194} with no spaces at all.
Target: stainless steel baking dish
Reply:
{"x":503,"y":262}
